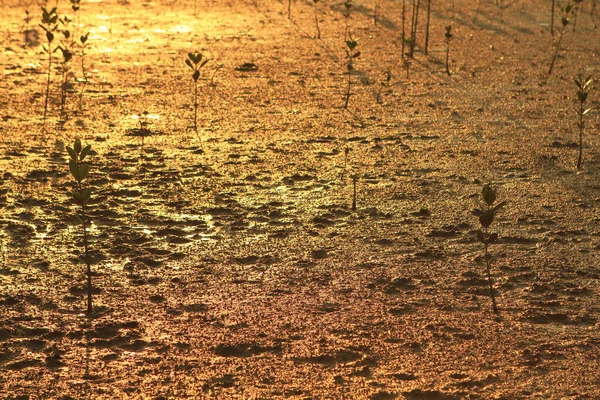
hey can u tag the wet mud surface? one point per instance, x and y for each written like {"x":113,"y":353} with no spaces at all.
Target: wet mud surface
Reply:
{"x":230,"y":263}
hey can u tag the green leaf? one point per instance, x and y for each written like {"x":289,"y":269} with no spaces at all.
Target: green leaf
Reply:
{"x":480,"y":236}
{"x":74,"y":170}
{"x":72,"y":153}
{"x":486,"y":219}
{"x":196,"y":75}
{"x":189,"y":64}
{"x":85,"y":195}
{"x":204,"y":63}
{"x":85,"y":151}
{"x":77,"y":196}
{"x":77,"y":146}
{"x":477,"y":212}
{"x":356,"y":55}
{"x":489,"y":194}
{"x":84,"y":169}
{"x":493,"y":238}
{"x":498,"y":206}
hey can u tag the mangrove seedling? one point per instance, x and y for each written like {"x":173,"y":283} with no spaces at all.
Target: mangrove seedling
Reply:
{"x":351,"y":55}
{"x":486,"y":215}
{"x":28,"y":31}
{"x":448,"y":37}
{"x":385,"y":83}
{"x":403,"y":28}
{"x":348,"y":6}
{"x":583,"y":89}
{"x":49,"y":24}
{"x":82,"y":42}
{"x":413,"y":27}
{"x":427,"y":26}
{"x":317,"y":19}
{"x":195,"y":62}
{"x":79,"y":171}
{"x":564,"y":21}
{"x":65,"y":67}
{"x":354,"y":180}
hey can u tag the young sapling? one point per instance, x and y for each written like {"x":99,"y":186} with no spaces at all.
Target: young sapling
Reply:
{"x":448,"y":37}
{"x":403,"y":28}
{"x":317,"y":19}
{"x":348,"y":6}
{"x":427,"y":26}
{"x":413,"y":28}
{"x":386,"y":83}
{"x":486,"y":215}
{"x":354,"y":180}
{"x":195,"y":62}
{"x":49,"y":24}
{"x":351,"y":55}
{"x":564,"y":21}
{"x":82,"y":42}
{"x":79,"y":171}
{"x":583,"y":89}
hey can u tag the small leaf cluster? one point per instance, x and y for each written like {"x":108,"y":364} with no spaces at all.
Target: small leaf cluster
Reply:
{"x":486,"y":214}
{"x":583,"y":87}
{"x":75,"y":4}
{"x":566,"y":15}
{"x":195,"y":62}
{"x":448,"y":35}
{"x":79,"y":170}
{"x":49,"y":23}
{"x":348,"y":5}
{"x":351,"y":45}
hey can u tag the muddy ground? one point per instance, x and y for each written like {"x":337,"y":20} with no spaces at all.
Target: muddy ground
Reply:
{"x":229,"y":263}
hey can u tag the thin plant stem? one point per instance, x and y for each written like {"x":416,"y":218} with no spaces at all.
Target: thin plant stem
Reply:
{"x":403,"y":26}
{"x":562,"y":33}
{"x":581,"y":112}
{"x":489,"y":274}
{"x":48,"y":83}
{"x":348,"y":90}
{"x":448,"y":57}
{"x":427,"y":26}
{"x":196,"y":107}
{"x":317,"y":22}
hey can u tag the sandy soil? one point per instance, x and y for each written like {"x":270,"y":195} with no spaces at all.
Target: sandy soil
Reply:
{"x":229,"y":264}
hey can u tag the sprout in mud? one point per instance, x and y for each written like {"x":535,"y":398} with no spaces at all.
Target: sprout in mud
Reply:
{"x":49,"y":24}
{"x":448,"y":37}
{"x":564,"y":21}
{"x":583,"y":89}
{"x":385,"y":83}
{"x":351,"y":55}
{"x":486,"y":215}
{"x":82,"y":42}
{"x":81,"y":195}
{"x":195,"y":62}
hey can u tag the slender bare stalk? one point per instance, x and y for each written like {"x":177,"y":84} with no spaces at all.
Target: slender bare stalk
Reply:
{"x":427,"y":26}
{"x":317,"y":20}
{"x":403,"y":26}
